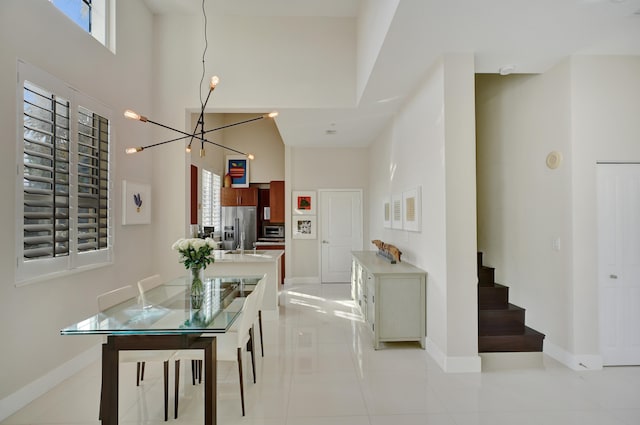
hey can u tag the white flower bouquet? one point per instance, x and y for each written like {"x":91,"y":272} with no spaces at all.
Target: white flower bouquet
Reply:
{"x":195,"y":252}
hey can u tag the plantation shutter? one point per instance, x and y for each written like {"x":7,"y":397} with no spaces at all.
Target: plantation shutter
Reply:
{"x":45,"y":174}
{"x":93,"y":180}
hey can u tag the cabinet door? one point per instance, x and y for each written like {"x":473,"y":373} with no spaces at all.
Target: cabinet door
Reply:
{"x":247,"y":197}
{"x":228,"y":197}
{"x":276,"y":201}
{"x":370,"y":285}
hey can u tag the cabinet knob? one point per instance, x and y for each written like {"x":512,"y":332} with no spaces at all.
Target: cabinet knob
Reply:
{"x":325,"y":242}
{"x":613,"y":276}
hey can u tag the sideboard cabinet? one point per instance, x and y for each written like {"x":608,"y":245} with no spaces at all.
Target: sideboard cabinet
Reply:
{"x":391,"y":298}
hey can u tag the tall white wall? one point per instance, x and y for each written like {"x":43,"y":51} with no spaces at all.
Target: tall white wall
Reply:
{"x":586,"y":108}
{"x":523,"y":206}
{"x":31,"y":316}
{"x":431,"y":143}
{"x":374,"y":19}
{"x":605,"y":106}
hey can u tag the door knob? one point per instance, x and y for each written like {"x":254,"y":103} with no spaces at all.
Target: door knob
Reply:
{"x":613,"y":276}
{"x":325,"y":241}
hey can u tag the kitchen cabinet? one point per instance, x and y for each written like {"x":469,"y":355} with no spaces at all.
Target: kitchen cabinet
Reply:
{"x":239,"y":197}
{"x":391,"y":298}
{"x":276,"y":201}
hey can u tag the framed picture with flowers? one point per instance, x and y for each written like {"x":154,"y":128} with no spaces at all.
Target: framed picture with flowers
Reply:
{"x":237,"y":167}
{"x":136,"y":203}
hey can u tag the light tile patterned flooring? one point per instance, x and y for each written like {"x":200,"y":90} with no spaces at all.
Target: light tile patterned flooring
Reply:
{"x":320,"y":369}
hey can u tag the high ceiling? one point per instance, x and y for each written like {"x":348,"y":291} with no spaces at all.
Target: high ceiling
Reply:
{"x":530,"y":35}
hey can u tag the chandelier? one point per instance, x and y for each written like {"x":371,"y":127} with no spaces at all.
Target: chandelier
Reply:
{"x":199,"y":132}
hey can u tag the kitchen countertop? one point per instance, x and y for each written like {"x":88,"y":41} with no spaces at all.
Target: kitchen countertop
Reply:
{"x":249,"y":256}
{"x":273,"y":242}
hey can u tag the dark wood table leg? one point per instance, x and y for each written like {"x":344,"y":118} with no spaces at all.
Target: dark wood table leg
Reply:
{"x":110,"y":368}
{"x":109,"y":393}
{"x":210,"y":369}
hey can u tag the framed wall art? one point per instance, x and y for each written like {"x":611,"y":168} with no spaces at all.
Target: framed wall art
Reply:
{"x":304,"y":203}
{"x":136,"y":203}
{"x":303,"y":227}
{"x":412,"y":210}
{"x":386,"y":213}
{"x":396,"y":211}
{"x":237,"y":166}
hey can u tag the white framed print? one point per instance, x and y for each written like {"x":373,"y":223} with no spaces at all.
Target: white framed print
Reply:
{"x":386,"y":213}
{"x":136,"y":203}
{"x":412,"y":209}
{"x":396,"y":211}
{"x":303,"y":227}
{"x":304,"y":202}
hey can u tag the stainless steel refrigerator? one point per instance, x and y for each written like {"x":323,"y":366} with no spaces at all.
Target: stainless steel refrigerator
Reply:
{"x":239,"y":224}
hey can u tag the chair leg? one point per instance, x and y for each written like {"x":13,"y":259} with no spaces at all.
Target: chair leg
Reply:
{"x":177,"y":386}
{"x":200,"y":367}
{"x":166,"y":390}
{"x":253,"y":358}
{"x":241,"y":380}
{"x":138,"y":370}
{"x":142,"y":371}
{"x":261,"y":337}
{"x":194,"y":372}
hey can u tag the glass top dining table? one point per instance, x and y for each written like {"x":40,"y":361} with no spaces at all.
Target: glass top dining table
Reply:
{"x":167,"y":309}
{"x":164,"y":318}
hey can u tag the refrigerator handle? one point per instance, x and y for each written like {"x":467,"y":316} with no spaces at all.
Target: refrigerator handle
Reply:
{"x":236,"y":234}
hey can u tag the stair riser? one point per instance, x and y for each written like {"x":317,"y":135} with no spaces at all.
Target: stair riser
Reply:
{"x":486,"y":276}
{"x":493,"y":297}
{"x":510,"y":343}
{"x":500,"y":322}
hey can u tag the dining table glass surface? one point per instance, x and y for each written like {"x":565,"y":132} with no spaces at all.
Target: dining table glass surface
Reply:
{"x":167,"y":310}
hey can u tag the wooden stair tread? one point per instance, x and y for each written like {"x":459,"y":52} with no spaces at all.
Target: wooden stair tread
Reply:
{"x":501,"y":325}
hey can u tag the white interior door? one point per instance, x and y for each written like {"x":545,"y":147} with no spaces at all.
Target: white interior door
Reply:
{"x":340,"y":232}
{"x":619,"y":263}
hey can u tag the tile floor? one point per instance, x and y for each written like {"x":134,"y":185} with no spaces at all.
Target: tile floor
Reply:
{"x":320,"y":369}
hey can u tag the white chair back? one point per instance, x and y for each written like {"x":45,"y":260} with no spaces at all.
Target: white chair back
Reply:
{"x":117,"y":296}
{"x":260,"y":288}
{"x":249,"y":313}
{"x":149,"y":283}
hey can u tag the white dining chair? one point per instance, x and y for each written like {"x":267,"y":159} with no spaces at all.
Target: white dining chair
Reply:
{"x":260,"y":288}
{"x":120,"y":295}
{"x":230,"y":346}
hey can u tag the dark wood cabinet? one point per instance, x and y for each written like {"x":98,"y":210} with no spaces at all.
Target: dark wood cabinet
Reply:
{"x":276,"y":201}
{"x":239,"y":197}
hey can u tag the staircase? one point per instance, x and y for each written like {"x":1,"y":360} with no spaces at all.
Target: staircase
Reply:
{"x":501,"y":325}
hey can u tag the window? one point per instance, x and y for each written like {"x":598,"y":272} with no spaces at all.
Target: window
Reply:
{"x":90,"y":15}
{"x":63,"y":177}
{"x":211,"y":200}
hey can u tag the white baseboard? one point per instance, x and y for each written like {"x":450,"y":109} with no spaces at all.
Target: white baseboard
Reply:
{"x":466,"y":364}
{"x":302,"y":280}
{"x":25,"y":395}
{"x":573,"y":361}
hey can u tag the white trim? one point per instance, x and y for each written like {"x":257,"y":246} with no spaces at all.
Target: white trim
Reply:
{"x":25,"y":395}
{"x":573,"y":361}
{"x":301,"y":280}
{"x":466,"y":364}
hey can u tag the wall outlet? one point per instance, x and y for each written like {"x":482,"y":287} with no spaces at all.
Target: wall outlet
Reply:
{"x":556,"y":244}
